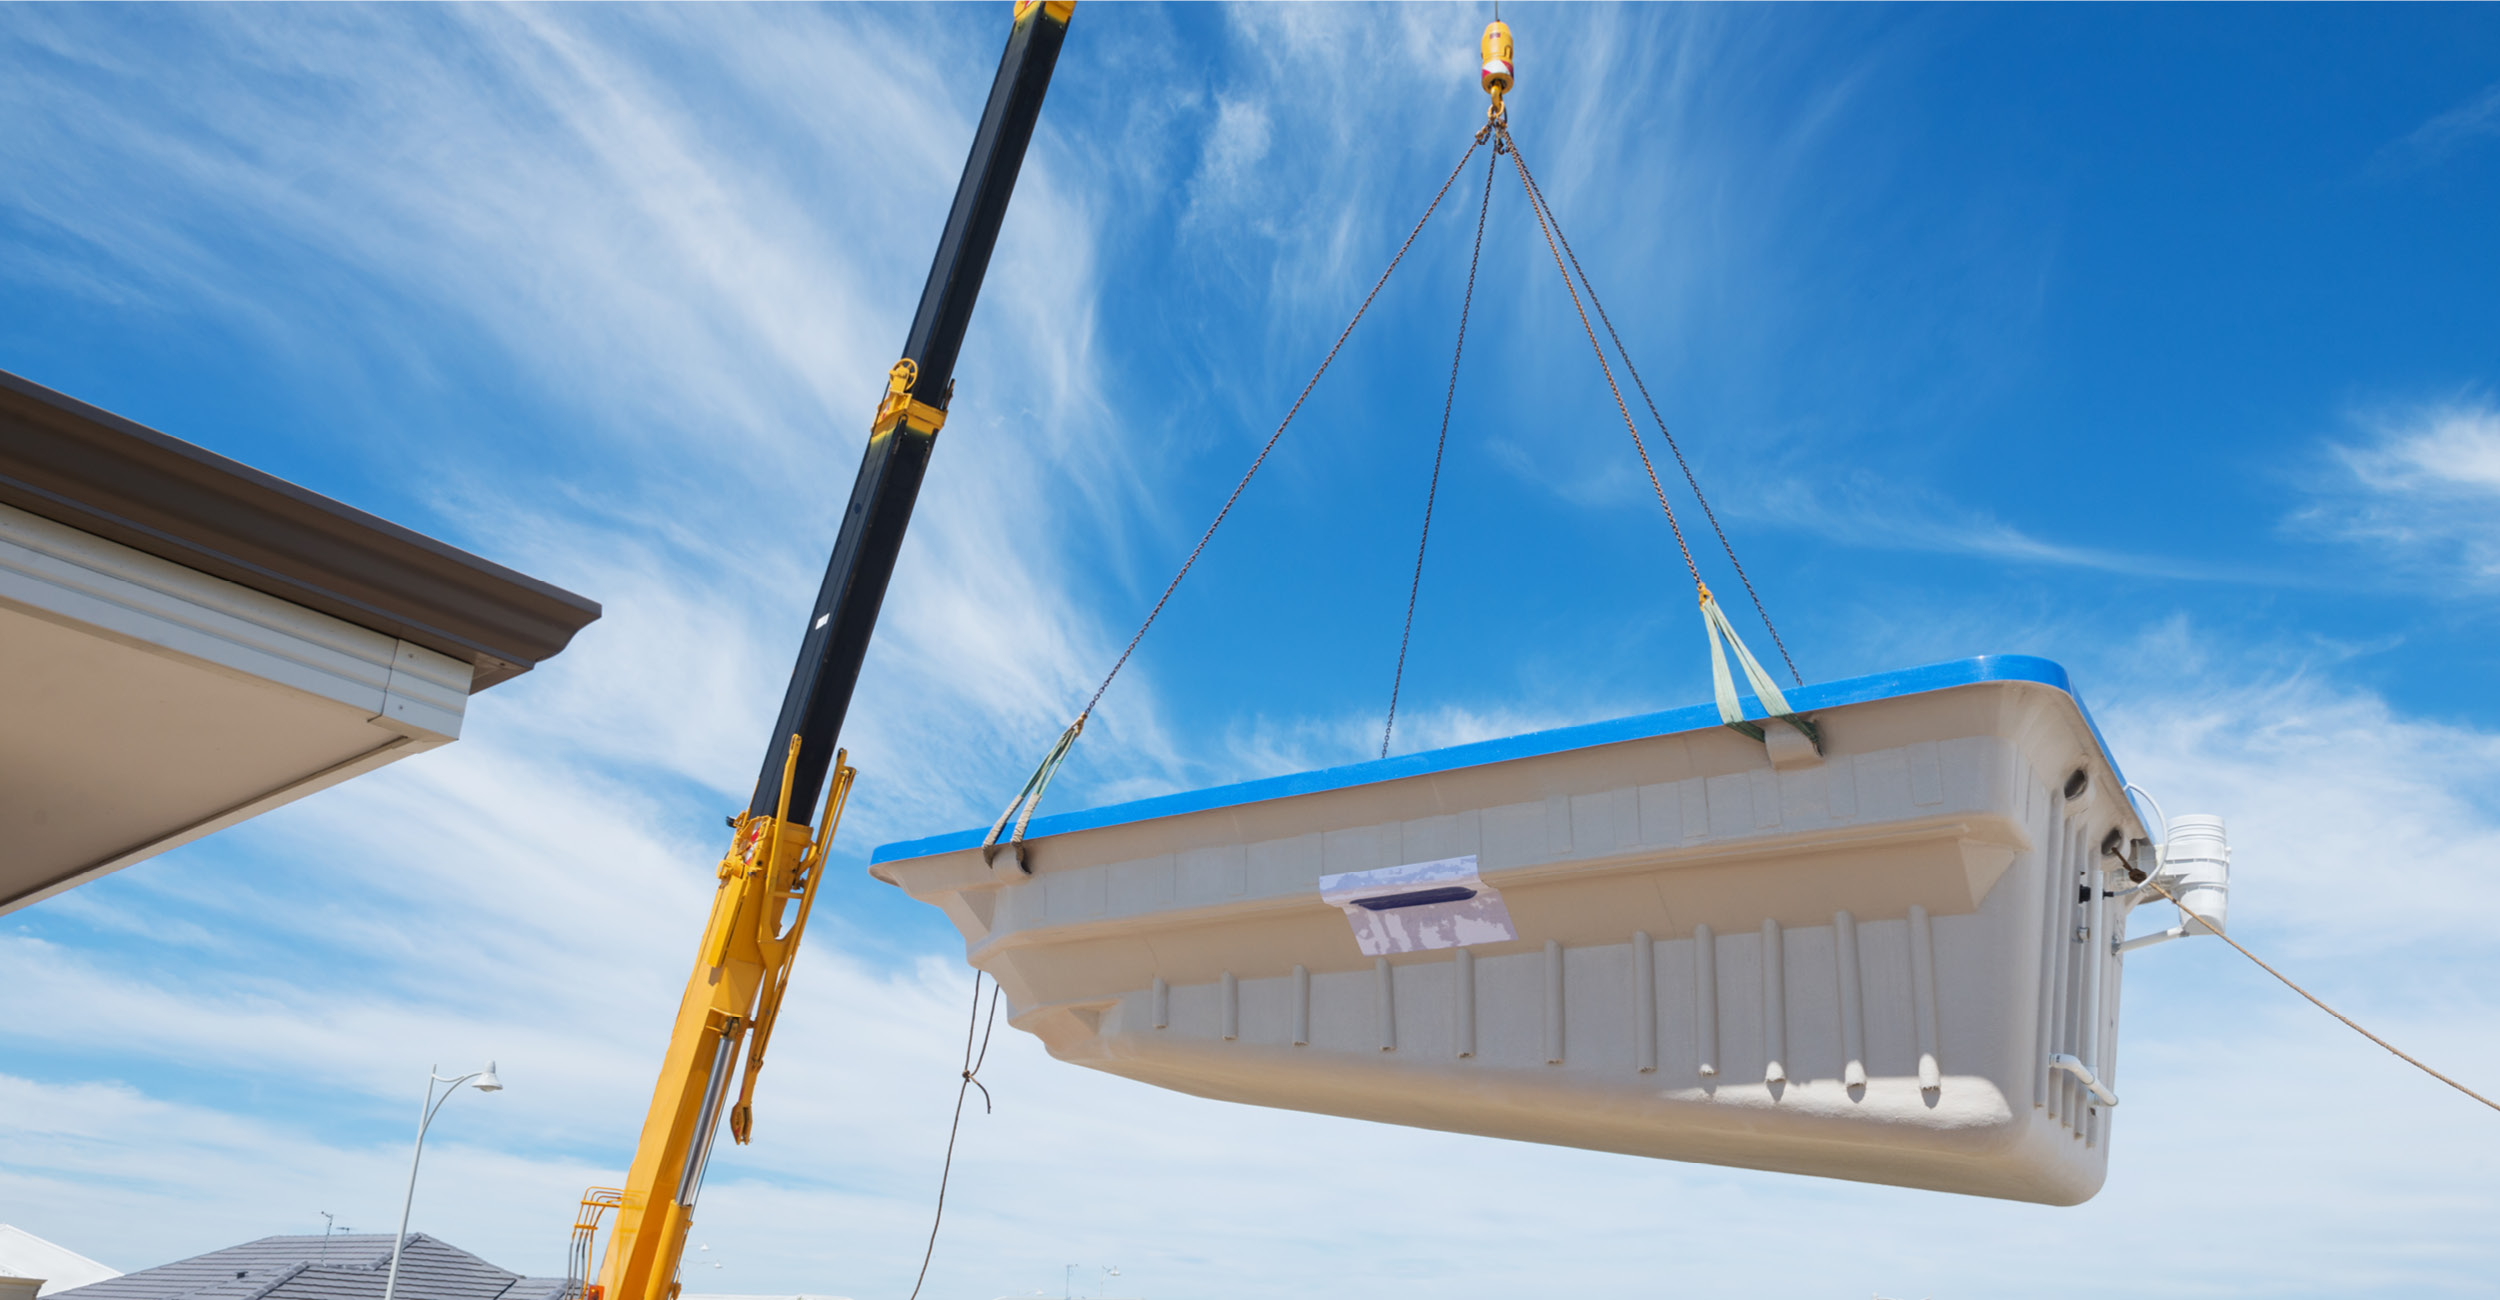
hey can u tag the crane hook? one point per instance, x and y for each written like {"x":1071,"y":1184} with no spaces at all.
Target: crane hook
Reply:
{"x":1497,"y":75}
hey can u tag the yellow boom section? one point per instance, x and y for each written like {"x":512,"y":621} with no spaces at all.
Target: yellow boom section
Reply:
{"x":733,"y":997}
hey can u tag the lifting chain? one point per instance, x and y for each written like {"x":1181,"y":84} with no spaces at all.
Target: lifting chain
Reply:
{"x":1497,"y":75}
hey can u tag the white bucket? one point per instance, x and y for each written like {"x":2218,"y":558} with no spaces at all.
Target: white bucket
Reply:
{"x":2196,"y":865}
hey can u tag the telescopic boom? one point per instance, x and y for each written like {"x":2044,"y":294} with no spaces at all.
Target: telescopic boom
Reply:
{"x":918,"y":391}
{"x":777,"y":851}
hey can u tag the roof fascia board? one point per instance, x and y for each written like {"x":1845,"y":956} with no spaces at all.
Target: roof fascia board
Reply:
{"x":416,"y":698}
{"x":89,"y":469}
{"x":73,"y":578}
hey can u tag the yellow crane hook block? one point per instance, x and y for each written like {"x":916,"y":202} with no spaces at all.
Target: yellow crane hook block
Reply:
{"x":1894,"y":961}
{"x":1497,"y":74}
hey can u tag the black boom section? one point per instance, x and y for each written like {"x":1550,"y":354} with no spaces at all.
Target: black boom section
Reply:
{"x":845,"y":615}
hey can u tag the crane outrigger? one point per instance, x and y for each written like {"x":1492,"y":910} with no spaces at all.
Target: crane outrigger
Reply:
{"x":777,"y":852}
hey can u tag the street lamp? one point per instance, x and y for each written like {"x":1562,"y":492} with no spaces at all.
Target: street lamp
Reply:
{"x":485,"y":1082}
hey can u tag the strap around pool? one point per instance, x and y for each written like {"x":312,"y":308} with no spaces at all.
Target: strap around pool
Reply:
{"x":1732,"y":711}
{"x":1030,"y":797}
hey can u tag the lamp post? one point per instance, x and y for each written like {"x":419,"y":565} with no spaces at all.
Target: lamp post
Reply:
{"x":486,"y":1082}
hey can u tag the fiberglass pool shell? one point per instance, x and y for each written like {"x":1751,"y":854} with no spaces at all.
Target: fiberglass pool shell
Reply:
{"x":1855,"y":966}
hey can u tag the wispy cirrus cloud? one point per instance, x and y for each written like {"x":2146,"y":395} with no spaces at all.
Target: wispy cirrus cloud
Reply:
{"x":2444,"y":135}
{"x":1266,"y":745}
{"x":2421,"y":489}
{"x":686,"y":248}
{"x":1862,"y":508}
{"x":699,"y":329}
{"x":2325,"y":786}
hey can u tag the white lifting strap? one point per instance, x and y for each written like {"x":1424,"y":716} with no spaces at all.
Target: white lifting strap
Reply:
{"x":1731,"y":709}
{"x":1029,"y":799}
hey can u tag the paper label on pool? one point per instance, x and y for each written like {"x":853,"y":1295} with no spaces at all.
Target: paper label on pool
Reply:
{"x":1419,"y":906}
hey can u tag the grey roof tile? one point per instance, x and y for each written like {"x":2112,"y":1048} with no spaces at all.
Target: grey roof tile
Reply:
{"x":342,"y":1266}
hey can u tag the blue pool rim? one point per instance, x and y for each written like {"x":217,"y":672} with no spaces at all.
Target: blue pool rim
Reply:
{"x":1644,"y":726}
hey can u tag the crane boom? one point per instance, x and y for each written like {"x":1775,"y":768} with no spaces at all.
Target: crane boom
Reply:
{"x":775,"y":859}
{"x":923,"y":381}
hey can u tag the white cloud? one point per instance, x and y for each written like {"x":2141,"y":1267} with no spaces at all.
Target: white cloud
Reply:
{"x":2446,"y":133}
{"x":1860,"y":508}
{"x":2449,"y":450}
{"x":2422,"y":489}
{"x":2356,"y":829}
{"x":1264,"y":745}
{"x":1236,"y":143}
{"x":225,"y":1041}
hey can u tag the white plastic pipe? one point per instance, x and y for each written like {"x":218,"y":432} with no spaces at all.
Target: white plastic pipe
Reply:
{"x":2083,"y":1075}
{"x":2158,"y":936}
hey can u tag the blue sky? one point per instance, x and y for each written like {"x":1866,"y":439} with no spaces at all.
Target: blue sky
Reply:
{"x":2160,"y":341}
